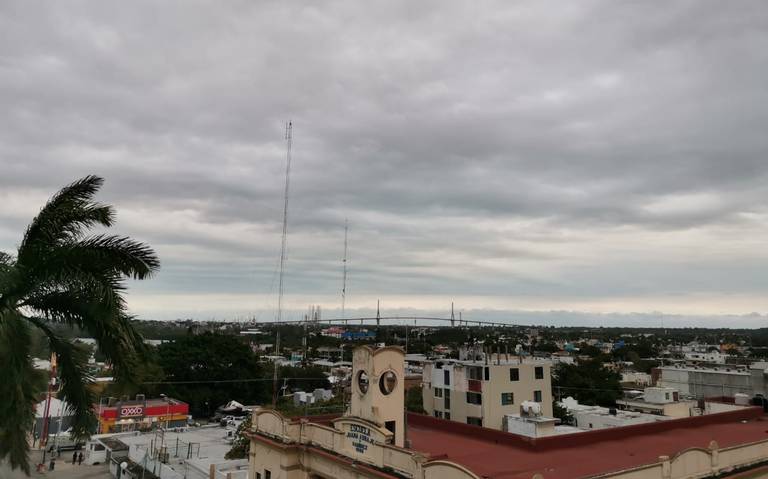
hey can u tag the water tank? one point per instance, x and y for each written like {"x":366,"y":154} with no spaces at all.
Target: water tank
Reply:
{"x":741,"y":399}
{"x":530,"y":408}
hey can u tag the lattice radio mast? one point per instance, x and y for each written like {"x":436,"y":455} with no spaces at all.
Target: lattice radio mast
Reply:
{"x":283,"y":252}
{"x":344,"y":274}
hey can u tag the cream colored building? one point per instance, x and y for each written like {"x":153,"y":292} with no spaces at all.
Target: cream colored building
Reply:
{"x":374,"y":439}
{"x":482,"y":393}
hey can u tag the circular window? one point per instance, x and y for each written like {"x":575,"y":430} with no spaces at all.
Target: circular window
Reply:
{"x":362,"y":382}
{"x":387,"y":382}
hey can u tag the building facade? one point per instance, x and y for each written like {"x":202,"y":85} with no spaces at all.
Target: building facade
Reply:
{"x":703,"y":382}
{"x":483,"y":392}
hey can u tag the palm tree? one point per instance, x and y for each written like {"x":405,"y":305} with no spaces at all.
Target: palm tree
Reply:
{"x":60,"y":275}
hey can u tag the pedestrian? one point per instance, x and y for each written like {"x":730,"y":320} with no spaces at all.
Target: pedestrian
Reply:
{"x":52,"y":464}
{"x":74,"y":458}
{"x":80,"y":459}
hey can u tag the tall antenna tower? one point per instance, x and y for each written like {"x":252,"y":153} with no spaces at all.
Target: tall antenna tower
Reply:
{"x":344,"y":274}
{"x":283,"y":252}
{"x":288,"y":138}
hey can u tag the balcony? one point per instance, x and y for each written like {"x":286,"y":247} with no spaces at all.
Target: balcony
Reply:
{"x":474,"y":385}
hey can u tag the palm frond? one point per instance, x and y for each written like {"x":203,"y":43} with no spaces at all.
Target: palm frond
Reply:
{"x":75,"y":378}
{"x":103,"y":317}
{"x":115,"y":254}
{"x":6,"y":259}
{"x":17,"y":388}
{"x":6,"y":272}
{"x":65,"y":216}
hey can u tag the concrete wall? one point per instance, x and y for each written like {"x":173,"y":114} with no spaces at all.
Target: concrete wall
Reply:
{"x":697,"y":463}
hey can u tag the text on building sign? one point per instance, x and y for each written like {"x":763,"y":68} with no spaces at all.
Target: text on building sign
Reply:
{"x":131,"y":411}
{"x":360,"y":437}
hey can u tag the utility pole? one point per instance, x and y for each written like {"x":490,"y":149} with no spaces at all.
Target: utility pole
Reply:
{"x":46,"y":415}
{"x":453,"y":318}
{"x":344,"y":274}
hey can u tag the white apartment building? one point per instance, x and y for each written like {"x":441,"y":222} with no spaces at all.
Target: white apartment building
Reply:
{"x":715,"y":357}
{"x":483,"y":391}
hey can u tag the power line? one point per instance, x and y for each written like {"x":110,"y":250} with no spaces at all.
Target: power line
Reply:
{"x":221,"y":381}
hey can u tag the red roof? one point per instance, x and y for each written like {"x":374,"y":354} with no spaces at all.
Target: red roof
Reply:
{"x":499,"y":455}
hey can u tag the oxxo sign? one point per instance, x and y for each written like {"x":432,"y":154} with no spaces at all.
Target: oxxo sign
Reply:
{"x":131,"y":411}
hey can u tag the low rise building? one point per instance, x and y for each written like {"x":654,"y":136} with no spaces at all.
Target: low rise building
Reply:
{"x":704,"y":382}
{"x":483,"y":389}
{"x":141,"y":414}
{"x":596,"y":417}
{"x":636,"y":378}
{"x":177,"y":453}
{"x":715,"y":357}
{"x":662,"y":401}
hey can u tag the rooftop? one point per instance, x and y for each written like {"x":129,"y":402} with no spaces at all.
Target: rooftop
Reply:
{"x":495,"y":454}
{"x":511,"y":360}
{"x":740,"y":372}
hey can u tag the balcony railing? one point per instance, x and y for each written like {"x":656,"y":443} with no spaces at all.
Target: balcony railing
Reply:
{"x":474,"y":385}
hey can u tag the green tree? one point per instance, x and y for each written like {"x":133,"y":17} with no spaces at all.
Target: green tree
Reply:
{"x":414,"y":401}
{"x":59,"y":274}
{"x":301,"y":379}
{"x":588,"y":382}
{"x":242,"y":443}
{"x":208,"y":370}
{"x":562,"y":413}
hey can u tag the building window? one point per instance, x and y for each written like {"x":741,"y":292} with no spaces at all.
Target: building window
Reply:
{"x":507,"y":399}
{"x":537,"y":396}
{"x":475,"y":421}
{"x":438,"y":393}
{"x":476,"y":373}
{"x":474,"y":398}
{"x":447,"y":415}
{"x":447,"y":402}
{"x":267,"y":474}
{"x":539,"y":372}
{"x":487,"y":373}
{"x":258,"y":475}
{"x":447,"y":377}
{"x":514,"y":374}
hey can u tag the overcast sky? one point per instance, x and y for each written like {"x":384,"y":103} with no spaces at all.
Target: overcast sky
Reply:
{"x":591,"y":156}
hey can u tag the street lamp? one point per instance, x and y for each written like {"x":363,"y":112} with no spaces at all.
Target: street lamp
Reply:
{"x":123,"y":467}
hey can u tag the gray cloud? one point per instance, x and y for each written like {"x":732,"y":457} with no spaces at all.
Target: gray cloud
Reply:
{"x":599,"y":151}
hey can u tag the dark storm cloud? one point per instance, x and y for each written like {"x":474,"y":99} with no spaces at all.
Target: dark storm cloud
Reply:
{"x":593,"y":149}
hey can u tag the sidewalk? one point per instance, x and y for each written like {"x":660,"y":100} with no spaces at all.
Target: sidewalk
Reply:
{"x":65,"y":470}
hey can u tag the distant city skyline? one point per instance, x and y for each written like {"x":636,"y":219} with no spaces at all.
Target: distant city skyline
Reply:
{"x":590,"y":157}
